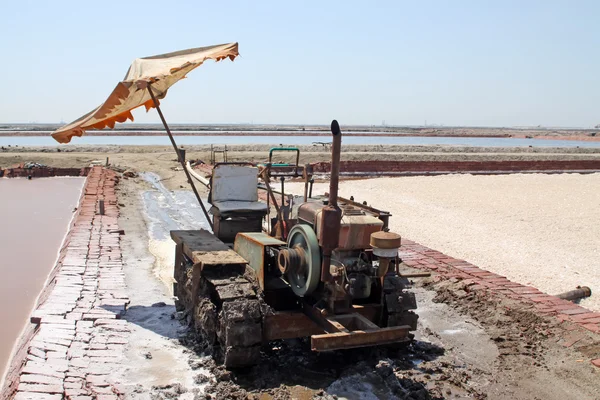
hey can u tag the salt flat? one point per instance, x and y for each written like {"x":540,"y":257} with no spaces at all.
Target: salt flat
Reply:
{"x":535,"y":229}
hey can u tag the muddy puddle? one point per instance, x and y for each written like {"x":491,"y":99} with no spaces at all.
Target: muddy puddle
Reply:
{"x":34,"y":219}
{"x":157,"y":366}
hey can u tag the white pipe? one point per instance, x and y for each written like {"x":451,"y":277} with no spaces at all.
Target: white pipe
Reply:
{"x":198,"y":177}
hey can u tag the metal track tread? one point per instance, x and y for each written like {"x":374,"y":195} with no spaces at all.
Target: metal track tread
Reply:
{"x":235,"y":308}
{"x":399,"y":302}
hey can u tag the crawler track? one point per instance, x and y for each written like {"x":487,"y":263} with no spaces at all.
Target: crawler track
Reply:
{"x":399,"y":301}
{"x":226,"y":308}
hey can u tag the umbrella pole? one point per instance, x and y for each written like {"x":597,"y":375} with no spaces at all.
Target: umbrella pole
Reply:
{"x":181,"y":161}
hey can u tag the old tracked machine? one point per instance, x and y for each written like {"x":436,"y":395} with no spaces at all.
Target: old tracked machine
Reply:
{"x":322,"y":267}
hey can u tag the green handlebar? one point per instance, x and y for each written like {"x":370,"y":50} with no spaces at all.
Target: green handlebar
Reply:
{"x":274,"y":149}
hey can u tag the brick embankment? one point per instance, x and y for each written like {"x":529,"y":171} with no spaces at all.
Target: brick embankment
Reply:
{"x":21,"y":171}
{"x":76,"y":338}
{"x":476,"y":279}
{"x":415,"y":167}
{"x":396,"y":168}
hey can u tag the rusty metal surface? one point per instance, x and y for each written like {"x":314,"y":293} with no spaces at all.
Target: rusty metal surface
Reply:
{"x":288,"y":325}
{"x":579,"y":293}
{"x":336,"y":149}
{"x":382,"y":215}
{"x":362,"y":206}
{"x":354,"y":322}
{"x":385,"y":240}
{"x":356,"y":230}
{"x":293,"y":259}
{"x":262,"y":239}
{"x":329,"y":236}
{"x":353,"y":339}
{"x":369,"y":311}
{"x":309,"y":211}
{"x":251,"y":246}
{"x":202,"y":247}
{"x":227,"y":229}
{"x":295,"y":324}
{"x":331,"y":215}
{"x":318,"y":317}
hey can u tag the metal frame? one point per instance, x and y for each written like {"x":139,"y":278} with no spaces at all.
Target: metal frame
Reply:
{"x":213,"y":152}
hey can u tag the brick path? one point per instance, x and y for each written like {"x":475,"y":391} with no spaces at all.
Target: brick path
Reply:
{"x":445,"y":267}
{"x":79,"y":339}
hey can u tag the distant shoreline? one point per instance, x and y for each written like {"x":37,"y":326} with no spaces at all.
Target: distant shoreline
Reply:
{"x":520,"y":134}
{"x":233,"y":130}
{"x":249,"y":133}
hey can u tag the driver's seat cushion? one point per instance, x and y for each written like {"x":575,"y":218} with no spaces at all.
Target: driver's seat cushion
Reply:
{"x":234,"y":192}
{"x":238,"y":207}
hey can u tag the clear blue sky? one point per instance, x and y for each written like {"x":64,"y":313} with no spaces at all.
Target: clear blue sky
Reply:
{"x":502,"y":63}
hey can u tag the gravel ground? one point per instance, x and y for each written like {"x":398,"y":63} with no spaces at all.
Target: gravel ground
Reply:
{"x":536,"y":229}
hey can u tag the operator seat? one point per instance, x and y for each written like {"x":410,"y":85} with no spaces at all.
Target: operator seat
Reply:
{"x":234,"y":199}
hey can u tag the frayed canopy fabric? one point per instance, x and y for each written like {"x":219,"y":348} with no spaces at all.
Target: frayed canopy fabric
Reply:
{"x":162,"y":71}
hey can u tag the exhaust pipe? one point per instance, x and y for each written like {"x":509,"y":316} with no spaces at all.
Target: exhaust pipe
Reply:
{"x":336,"y":149}
{"x":331,"y":215}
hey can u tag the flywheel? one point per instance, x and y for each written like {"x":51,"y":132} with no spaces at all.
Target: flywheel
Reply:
{"x":305,"y":276}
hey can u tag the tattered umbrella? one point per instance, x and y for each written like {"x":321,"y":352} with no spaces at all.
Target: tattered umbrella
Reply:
{"x":161,"y":72}
{"x":147,"y":81}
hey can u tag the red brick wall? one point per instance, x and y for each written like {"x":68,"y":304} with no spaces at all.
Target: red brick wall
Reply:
{"x":458,"y":166}
{"x":42,"y":172}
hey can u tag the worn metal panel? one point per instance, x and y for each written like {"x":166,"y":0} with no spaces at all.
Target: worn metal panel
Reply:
{"x":263,"y":238}
{"x":202,"y":247}
{"x":227,"y":229}
{"x":251,"y":246}
{"x":348,"y":340}
{"x":288,"y":325}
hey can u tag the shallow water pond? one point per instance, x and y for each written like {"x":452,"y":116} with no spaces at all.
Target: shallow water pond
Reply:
{"x":34,"y":218}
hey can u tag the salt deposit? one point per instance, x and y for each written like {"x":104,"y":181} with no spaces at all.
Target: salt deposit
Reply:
{"x":539,"y":230}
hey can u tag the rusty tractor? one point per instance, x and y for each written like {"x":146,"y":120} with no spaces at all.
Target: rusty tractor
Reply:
{"x":322,"y":267}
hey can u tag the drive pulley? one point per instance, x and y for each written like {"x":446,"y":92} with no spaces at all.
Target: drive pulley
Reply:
{"x":300,"y":262}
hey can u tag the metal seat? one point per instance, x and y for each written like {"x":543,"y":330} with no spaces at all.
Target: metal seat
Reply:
{"x":239,"y":207}
{"x":234,"y":199}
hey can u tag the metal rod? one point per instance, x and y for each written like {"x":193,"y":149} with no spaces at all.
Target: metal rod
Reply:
{"x":179,"y":158}
{"x":282,"y":191}
{"x":270,"y":191}
{"x":267,"y":180}
{"x":305,"y":176}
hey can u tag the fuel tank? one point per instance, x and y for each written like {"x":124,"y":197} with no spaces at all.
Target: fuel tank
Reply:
{"x":356,"y":225}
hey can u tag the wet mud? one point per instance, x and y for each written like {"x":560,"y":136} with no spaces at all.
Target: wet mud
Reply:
{"x":467,"y":345}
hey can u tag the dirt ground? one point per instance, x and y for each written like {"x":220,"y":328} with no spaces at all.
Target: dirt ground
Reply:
{"x":468,"y":345}
{"x":161,"y":158}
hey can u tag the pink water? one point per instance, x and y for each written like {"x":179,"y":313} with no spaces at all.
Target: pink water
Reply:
{"x":34,"y":219}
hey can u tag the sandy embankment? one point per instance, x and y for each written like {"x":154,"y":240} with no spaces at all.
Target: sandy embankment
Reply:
{"x":162,"y":160}
{"x":539,"y":230}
